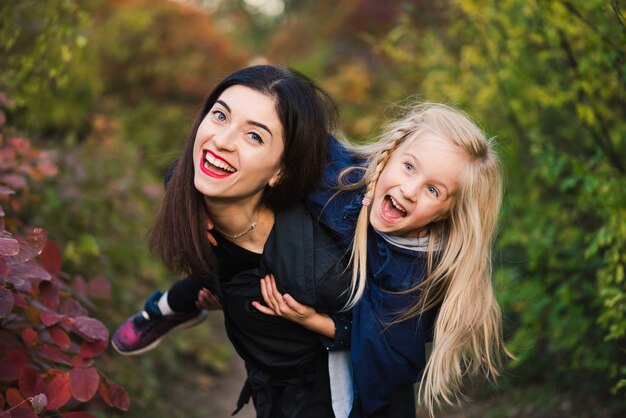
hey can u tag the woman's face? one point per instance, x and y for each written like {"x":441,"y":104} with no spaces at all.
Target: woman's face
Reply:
{"x":238,"y":146}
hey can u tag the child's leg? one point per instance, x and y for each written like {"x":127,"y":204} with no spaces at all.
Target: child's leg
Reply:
{"x":181,"y":297}
{"x":162,"y":313}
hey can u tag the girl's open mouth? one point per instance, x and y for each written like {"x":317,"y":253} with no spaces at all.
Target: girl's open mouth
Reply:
{"x":391,"y":209}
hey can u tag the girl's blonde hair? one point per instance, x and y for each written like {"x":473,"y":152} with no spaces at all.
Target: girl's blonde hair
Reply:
{"x":468,"y":328}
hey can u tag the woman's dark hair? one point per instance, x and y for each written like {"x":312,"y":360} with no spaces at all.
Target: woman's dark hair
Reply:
{"x":307,"y":113}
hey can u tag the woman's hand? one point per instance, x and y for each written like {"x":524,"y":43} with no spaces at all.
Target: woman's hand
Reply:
{"x":287,"y":307}
{"x":207,"y":300}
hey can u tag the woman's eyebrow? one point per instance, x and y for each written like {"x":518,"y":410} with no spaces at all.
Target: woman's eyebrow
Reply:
{"x":223,"y":103}
{"x":251,"y":122}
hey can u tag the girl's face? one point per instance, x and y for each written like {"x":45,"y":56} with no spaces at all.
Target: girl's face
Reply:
{"x":238,"y":146}
{"x":416,"y":187}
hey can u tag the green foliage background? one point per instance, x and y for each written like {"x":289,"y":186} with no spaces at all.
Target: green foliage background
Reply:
{"x":113,"y":86}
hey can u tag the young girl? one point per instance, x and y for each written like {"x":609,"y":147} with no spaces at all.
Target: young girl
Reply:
{"x":420,"y":208}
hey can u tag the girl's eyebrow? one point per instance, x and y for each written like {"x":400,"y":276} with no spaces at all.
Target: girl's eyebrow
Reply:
{"x":251,"y":122}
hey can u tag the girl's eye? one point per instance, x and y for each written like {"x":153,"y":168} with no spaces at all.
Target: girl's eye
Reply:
{"x":408,"y":166}
{"x":219,"y":115}
{"x":433,"y":190}
{"x":255,"y":137}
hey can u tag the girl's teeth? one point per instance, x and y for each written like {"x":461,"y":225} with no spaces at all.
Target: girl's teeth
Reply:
{"x":218,"y":163}
{"x":396,"y":205}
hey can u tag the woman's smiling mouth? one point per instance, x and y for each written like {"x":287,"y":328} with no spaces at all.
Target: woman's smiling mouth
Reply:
{"x":215,"y":166}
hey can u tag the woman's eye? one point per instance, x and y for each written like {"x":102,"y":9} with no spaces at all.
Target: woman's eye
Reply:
{"x":219,"y":115}
{"x":255,"y":137}
{"x":433,"y":190}
{"x":408,"y":166}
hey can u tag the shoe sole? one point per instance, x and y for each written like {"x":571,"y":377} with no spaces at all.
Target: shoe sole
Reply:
{"x":188,"y":324}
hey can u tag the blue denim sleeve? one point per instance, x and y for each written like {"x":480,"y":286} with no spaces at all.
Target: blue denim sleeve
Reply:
{"x":343,"y":332}
{"x":339,"y":211}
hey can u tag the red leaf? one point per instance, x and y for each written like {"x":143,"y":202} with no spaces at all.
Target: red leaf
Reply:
{"x":18,"y":283}
{"x":4,"y":267}
{"x":14,"y":397}
{"x":90,"y":349}
{"x":58,"y":391}
{"x":49,"y":292}
{"x":60,"y":338}
{"x":50,"y":318}
{"x":80,"y":287}
{"x":77,"y":414}
{"x":31,"y":382}
{"x":19,"y":300}
{"x":30,"y":246}
{"x":113,"y":394}
{"x":78,"y":361}
{"x":8,"y":245}
{"x":71,"y":307}
{"x":17,"y":358}
{"x":53,"y":353}
{"x":8,"y":340}
{"x":90,"y":329}
{"x":50,"y":257}
{"x":23,"y":412}
{"x":99,"y":288}
{"x":30,"y":271}
{"x":6,"y":301}
{"x":84,"y":383}
{"x":8,"y":371}
{"x":29,"y":336}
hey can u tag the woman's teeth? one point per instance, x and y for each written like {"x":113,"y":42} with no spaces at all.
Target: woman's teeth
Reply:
{"x":210,"y":159}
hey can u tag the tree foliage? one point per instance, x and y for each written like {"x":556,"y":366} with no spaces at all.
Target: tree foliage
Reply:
{"x":48,"y":341}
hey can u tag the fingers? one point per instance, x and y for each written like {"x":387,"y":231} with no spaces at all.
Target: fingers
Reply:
{"x":209,"y":228}
{"x":293,"y":304}
{"x":263,"y":309}
{"x":270,"y":294}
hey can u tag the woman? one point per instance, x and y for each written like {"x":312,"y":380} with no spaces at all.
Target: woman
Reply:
{"x":242,"y":176}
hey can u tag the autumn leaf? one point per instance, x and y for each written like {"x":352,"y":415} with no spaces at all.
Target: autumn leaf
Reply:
{"x":50,"y":257}
{"x":91,"y":329}
{"x":6,"y":302}
{"x":8,"y":245}
{"x":84,"y":383}
{"x":113,"y":394}
{"x":58,"y":391}
{"x":30,"y":382}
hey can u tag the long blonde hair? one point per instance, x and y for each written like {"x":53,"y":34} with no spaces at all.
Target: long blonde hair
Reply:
{"x":468,"y":328}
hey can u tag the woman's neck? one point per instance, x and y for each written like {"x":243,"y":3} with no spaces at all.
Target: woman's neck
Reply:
{"x":247,"y":225}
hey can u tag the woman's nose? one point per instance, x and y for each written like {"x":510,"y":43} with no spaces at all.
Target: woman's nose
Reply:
{"x":224,"y":139}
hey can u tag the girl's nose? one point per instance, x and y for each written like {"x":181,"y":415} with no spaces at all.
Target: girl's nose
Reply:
{"x":410,"y":190}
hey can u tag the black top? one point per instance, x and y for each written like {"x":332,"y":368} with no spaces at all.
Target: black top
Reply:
{"x":307,"y":265}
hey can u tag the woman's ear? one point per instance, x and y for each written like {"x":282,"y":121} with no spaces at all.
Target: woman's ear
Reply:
{"x":276,"y":178}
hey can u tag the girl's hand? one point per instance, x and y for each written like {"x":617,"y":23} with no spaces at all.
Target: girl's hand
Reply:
{"x":209,"y":227}
{"x":281,"y":305}
{"x":207,"y":300}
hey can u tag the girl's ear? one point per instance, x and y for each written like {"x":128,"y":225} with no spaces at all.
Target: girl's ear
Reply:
{"x":276,"y":178}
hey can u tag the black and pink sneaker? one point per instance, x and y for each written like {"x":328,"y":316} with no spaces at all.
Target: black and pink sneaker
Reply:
{"x":144,"y":331}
